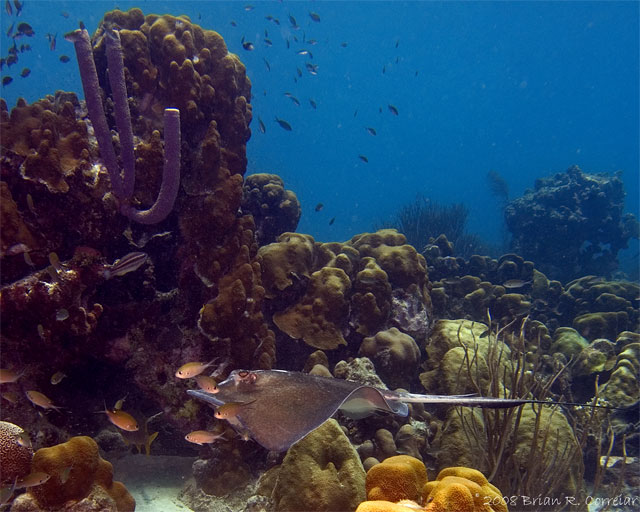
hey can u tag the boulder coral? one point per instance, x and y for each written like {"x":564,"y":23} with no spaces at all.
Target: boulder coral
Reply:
{"x":322,"y":472}
{"x":318,"y":316}
{"x":275,"y":210}
{"x":396,"y":478}
{"x":395,"y":355}
{"x":458,"y":350}
{"x":623,"y":387}
{"x":83,"y":469}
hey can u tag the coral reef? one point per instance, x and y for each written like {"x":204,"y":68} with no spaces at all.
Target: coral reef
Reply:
{"x":335,"y":294}
{"x":84,"y":470}
{"x":579,"y":212}
{"x":395,"y":355}
{"x":275,"y":210}
{"x":321,"y":472}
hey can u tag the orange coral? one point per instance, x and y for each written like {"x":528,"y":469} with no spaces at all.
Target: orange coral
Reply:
{"x":397,"y":478}
{"x":87,"y":469}
{"x":460,"y":489}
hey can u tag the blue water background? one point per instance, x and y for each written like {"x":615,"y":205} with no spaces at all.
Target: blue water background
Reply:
{"x":524,"y":88}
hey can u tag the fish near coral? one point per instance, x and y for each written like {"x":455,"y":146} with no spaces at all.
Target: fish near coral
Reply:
{"x":206,"y":383}
{"x":121,"y":419}
{"x":192,"y":369}
{"x":41,"y":400}
{"x":32,"y":479}
{"x":203,"y":437}
{"x":9,"y":376}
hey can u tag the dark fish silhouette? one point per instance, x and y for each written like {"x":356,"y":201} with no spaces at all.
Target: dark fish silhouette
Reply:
{"x":372,"y":131}
{"x":64,"y":59}
{"x":294,"y":23}
{"x":7,"y":7}
{"x":315,"y":16}
{"x":319,"y":207}
{"x":261,"y":126}
{"x":25,"y":29}
{"x":393,"y":109}
{"x":312,"y":103}
{"x":333,"y":219}
{"x":283,"y":124}
{"x":6,"y":80}
{"x":363,"y":158}
{"x":25,"y":72}
{"x":247,"y":45}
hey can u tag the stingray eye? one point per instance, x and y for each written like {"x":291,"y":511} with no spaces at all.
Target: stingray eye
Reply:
{"x":243,"y":374}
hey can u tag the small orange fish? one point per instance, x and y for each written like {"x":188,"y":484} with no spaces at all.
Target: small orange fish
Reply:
{"x":41,"y":400}
{"x":207,"y":384}
{"x":8,"y":376}
{"x":32,"y":479}
{"x":203,"y":437}
{"x":230,"y":410}
{"x":193,"y":369}
{"x":121,"y":419}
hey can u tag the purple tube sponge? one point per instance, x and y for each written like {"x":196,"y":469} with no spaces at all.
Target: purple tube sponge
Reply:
{"x":122,"y":183}
{"x":170,"y":174}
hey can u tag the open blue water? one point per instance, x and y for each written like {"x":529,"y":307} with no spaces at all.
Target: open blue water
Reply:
{"x":524,"y":88}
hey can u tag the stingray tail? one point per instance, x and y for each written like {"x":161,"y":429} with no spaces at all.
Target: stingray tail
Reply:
{"x":485,"y":401}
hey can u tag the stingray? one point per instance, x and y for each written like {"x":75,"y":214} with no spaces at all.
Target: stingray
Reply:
{"x":277,"y":408}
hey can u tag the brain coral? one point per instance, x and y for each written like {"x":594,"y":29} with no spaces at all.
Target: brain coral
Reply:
{"x":87,"y":469}
{"x":15,"y":459}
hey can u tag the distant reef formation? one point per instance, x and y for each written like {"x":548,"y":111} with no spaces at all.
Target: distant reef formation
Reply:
{"x":572,"y":224}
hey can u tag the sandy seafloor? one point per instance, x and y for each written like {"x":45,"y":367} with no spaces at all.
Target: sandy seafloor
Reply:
{"x":155,"y":481}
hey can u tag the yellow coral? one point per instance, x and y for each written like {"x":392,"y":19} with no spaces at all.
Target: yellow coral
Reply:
{"x":388,"y":506}
{"x":460,"y":489}
{"x":84,"y":467}
{"x":401,"y":477}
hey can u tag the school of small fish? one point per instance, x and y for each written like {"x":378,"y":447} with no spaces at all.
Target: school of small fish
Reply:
{"x":294,"y":34}
{"x":16,"y":32}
